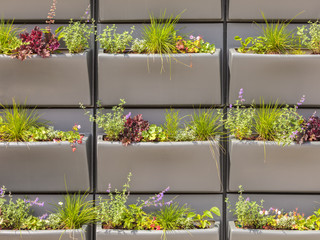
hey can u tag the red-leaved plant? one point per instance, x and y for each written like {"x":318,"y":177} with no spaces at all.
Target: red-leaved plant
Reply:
{"x":37,"y":42}
{"x":310,"y":130}
{"x":133,"y":129}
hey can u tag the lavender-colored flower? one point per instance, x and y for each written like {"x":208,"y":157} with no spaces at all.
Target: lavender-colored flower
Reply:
{"x":109,"y":188}
{"x":2,"y":192}
{"x":248,"y":199}
{"x":35,"y":202}
{"x":302,"y":99}
{"x":157,"y":200}
{"x":128,"y":115}
{"x":241,"y":95}
{"x":44,"y":216}
{"x":230,"y":106}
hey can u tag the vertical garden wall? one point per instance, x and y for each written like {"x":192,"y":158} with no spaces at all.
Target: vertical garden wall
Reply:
{"x":57,"y":85}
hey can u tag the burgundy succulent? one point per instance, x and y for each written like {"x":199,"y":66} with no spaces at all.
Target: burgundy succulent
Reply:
{"x":311,"y":130}
{"x":37,"y":42}
{"x":133,"y":129}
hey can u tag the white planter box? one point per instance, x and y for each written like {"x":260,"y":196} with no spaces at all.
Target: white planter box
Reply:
{"x":196,"y":234}
{"x":286,"y":169}
{"x":44,"y":166}
{"x":61,"y":80}
{"x":274,"y":9}
{"x":184,"y":166}
{"x":199,"y":84}
{"x":38,"y":9}
{"x":251,"y":234}
{"x":125,"y":10}
{"x":82,"y":234}
{"x":273,"y":76}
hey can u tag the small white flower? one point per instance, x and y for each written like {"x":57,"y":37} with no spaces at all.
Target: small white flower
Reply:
{"x":279,"y":212}
{"x":60,"y":203}
{"x":261,"y":212}
{"x":79,"y":126}
{"x":266,"y":213}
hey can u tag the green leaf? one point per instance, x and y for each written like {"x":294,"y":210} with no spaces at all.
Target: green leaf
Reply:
{"x":215,"y":210}
{"x":207,"y":214}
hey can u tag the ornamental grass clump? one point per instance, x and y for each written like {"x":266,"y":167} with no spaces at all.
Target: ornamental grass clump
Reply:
{"x":115,"y":213}
{"x":9,"y":40}
{"x":252,"y":215}
{"x":275,"y":38}
{"x":268,"y":122}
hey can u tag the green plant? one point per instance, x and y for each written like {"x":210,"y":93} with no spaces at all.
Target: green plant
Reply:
{"x":113,"y":42}
{"x":160,"y":36}
{"x":206,"y":124}
{"x":276,"y":123}
{"x":171,"y":125}
{"x":174,"y":217}
{"x":203,"y":219}
{"x":311,"y":37}
{"x":154,"y":134}
{"x":275,"y":38}
{"x":9,"y":40}
{"x":75,"y":212}
{"x":240,"y":120}
{"x":248,"y":212}
{"x":76,"y":36}
{"x":138,"y":46}
{"x":112,"y":123}
{"x":15,"y":122}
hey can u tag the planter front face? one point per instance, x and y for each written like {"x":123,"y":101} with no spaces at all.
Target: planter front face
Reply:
{"x":141,"y":9}
{"x":45,"y":234}
{"x":285,"y":169}
{"x":184,"y":166}
{"x":249,"y":234}
{"x":285,"y":9}
{"x":35,"y":9}
{"x":44,"y":166}
{"x":283,"y":77}
{"x":62,"y":79}
{"x":199,"y":84}
{"x":196,"y":234}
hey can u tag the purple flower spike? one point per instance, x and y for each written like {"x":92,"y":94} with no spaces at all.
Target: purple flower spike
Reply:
{"x":241,"y":95}
{"x":302,"y":99}
{"x":43,"y":217}
{"x":248,"y":199}
{"x":230,"y":106}
{"x":128,"y":115}
{"x":109,"y":188}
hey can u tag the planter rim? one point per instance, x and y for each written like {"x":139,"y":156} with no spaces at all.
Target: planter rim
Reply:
{"x":39,"y":143}
{"x":101,"y":141}
{"x":54,"y":55}
{"x":233,"y":227}
{"x":138,"y":55}
{"x":255,"y":142}
{"x":213,"y":228}
{"x":233,"y":51}
{"x":60,"y":231}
